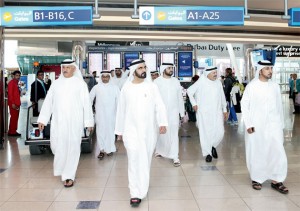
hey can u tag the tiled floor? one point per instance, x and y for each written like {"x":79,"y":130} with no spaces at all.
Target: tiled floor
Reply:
{"x":27,"y":182}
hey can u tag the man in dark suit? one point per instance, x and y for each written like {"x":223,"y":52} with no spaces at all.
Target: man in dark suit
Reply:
{"x":38,"y":91}
{"x":47,"y":82}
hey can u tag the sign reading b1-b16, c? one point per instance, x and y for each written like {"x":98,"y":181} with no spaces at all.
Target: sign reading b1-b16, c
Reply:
{"x":45,"y":16}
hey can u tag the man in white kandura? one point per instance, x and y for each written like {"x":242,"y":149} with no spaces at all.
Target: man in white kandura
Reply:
{"x":141,"y":115}
{"x":154,"y":74}
{"x":263,"y":116}
{"x":208,"y":100}
{"x":119,"y":78}
{"x":69,"y":104}
{"x":170,"y":91}
{"x":107,"y":95}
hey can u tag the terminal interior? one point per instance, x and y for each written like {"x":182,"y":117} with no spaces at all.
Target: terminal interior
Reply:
{"x":114,"y":39}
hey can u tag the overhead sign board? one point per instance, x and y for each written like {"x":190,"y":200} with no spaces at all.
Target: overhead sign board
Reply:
{"x":197,"y":16}
{"x":295,"y":16}
{"x":45,"y":16}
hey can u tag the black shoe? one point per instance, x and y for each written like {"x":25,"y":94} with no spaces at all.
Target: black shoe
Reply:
{"x":135,"y":202}
{"x":214,"y":152}
{"x":208,"y":158}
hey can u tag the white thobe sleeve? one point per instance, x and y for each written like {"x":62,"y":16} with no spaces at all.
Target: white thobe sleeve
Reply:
{"x":180,"y":101}
{"x":280,"y":109}
{"x":223,"y":99}
{"x":191,"y":92}
{"x":47,"y":107}
{"x":117,"y":95}
{"x":93,"y":94}
{"x":160,"y":109}
{"x":87,"y":108}
{"x":120,"y":117}
{"x":245,"y":107}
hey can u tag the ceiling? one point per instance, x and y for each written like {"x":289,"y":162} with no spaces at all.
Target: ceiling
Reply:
{"x":264,"y":27}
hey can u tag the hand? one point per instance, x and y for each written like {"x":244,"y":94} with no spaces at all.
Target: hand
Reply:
{"x":162,"y":129}
{"x":225,"y":115}
{"x":90,"y":129}
{"x":119,"y":138}
{"x":15,"y":107}
{"x":195,"y":108}
{"x":250,"y":130}
{"x":41,"y":126}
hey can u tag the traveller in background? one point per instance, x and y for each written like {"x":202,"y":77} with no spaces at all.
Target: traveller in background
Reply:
{"x":92,"y":82}
{"x":14,"y":103}
{"x":188,"y":106}
{"x":208,"y":100}
{"x":228,"y":84}
{"x":154,"y":74}
{"x":119,"y":78}
{"x":47,"y":81}
{"x":295,"y":86}
{"x":236,"y":96}
{"x":107,"y":96}
{"x":38,"y":91}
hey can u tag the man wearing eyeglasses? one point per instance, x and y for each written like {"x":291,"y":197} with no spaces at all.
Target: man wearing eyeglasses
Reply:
{"x":38,"y":91}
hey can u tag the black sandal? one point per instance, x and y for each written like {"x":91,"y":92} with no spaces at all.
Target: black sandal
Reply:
{"x":101,"y":155}
{"x":256,"y":185}
{"x":280,"y":187}
{"x":110,"y":154}
{"x":135,"y":202}
{"x":67,"y":185}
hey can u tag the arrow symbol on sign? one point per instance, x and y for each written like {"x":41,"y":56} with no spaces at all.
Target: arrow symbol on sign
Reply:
{"x":147,"y":15}
{"x":183,"y":61}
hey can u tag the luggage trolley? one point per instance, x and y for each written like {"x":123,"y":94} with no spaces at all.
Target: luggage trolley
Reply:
{"x":39,"y":141}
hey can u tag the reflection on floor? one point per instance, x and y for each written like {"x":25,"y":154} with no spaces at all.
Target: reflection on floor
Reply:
{"x":27,"y":182}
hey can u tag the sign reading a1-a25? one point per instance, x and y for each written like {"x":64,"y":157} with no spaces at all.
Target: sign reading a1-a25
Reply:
{"x":196,"y":16}
{"x":46,"y":16}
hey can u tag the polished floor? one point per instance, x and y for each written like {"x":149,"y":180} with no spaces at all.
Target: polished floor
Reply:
{"x":27,"y":182}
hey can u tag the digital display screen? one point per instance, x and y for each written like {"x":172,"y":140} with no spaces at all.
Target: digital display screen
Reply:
{"x":185,"y":64}
{"x":129,"y":57}
{"x":95,"y":62}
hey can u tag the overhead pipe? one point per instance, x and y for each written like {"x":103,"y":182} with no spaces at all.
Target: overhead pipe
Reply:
{"x":246,"y":15}
{"x":135,"y":14}
{"x":286,"y":15}
{"x":96,"y":15}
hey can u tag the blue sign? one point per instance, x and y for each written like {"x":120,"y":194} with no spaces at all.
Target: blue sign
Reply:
{"x":185,"y":64}
{"x":295,"y":17}
{"x":129,"y":57}
{"x":45,"y":16}
{"x":192,"y":16}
